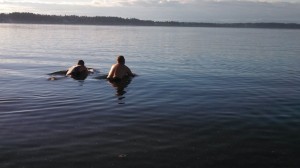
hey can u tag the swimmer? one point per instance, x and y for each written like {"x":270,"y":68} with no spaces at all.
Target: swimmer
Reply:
{"x":119,"y":70}
{"x":79,"y":71}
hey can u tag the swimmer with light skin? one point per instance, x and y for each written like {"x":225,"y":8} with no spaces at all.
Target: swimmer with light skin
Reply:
{"x":119,"y":70}
{"x":78,"y":71}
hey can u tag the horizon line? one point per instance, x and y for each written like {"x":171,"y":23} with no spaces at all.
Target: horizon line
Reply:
{"x":35,"y":18}
{"x":126,"y":18}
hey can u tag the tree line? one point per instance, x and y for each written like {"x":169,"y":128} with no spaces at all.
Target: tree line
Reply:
{"x":31,"y":18}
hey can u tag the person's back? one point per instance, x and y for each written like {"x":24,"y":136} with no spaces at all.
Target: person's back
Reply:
{"x":120,"y":70}
{"x":78,"y":71}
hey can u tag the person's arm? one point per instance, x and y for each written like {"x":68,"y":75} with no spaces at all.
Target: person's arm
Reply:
{"x":111,"y":72}
{"x":129,"y":72}
{"x":70,"y":70}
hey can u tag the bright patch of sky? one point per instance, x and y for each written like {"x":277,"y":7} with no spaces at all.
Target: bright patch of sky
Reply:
{"x":163,"y":10}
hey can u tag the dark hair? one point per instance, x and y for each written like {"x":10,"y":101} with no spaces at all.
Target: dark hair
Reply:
{"x":121,"y":59}
{"x":81,"y":62}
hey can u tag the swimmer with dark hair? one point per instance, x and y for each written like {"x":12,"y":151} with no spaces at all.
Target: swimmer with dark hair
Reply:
{"x":119,"y":70}
{"x":79,"y":71}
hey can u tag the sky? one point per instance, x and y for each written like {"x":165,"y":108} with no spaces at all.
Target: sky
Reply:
{"x":219,"y":11}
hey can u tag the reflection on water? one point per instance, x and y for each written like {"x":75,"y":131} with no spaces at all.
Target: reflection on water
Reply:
{"x":120,"y":86}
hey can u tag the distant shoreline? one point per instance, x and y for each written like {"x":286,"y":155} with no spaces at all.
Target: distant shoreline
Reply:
{"x":31,"y":18}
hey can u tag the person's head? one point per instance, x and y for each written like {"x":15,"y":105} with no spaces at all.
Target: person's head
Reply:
{"x":121,"y":59}
{"x":81,"y":62}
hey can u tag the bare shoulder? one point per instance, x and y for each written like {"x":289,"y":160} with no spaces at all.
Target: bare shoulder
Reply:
{"x":114,"y":65}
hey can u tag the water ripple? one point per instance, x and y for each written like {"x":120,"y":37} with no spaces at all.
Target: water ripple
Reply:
{"x":201,"y":100}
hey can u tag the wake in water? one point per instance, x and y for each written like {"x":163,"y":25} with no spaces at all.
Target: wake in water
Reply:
{"x":119,"y":85}
{"x":57,"y":75}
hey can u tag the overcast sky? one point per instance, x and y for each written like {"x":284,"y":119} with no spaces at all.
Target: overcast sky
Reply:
{"x":165,"y":10}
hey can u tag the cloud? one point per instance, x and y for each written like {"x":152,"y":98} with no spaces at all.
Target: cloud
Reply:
{"x":135,"y":3}
{"x":143,"y":3}
{"x":250,"y":11}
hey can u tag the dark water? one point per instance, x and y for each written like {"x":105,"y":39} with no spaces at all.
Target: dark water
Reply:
{"x":203,"y":97}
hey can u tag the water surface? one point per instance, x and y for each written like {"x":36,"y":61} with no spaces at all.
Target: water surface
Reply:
{"x":203,"y":97}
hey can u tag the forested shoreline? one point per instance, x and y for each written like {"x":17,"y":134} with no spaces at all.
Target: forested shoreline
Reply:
{"x":31,"y":18}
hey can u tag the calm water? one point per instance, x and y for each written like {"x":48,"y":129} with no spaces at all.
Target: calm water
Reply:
{"x":203,"y":97}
